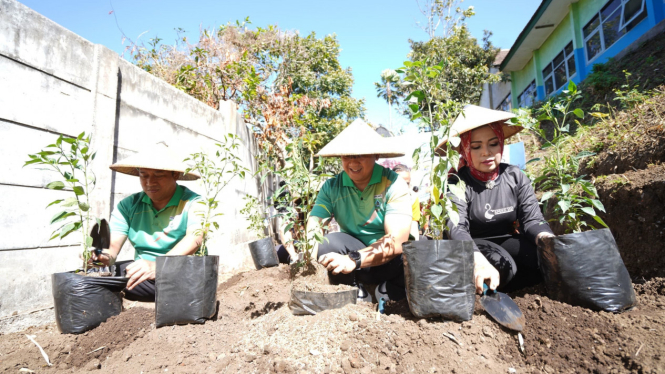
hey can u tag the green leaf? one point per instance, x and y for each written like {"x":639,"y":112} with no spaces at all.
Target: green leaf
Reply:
{"x":579,"y":113}
{"x":78,"y":190}
{"x":436,"y":210}
{"x":88,"y":241}
{"x":436,"y":195}
{"x":598,"y":205}
{"x":55,"y":202}
{"x":458,"y":191}
{"x":84,"y":207}
{"x":565,"y":188}
{"x":216,"y":225}
{"x":533,"y":160}
{"x":584,"y":154}
{"x":70,"y":201}
{"x":61,"y":216}
{"x":454,"y":217}
{"x":58,"y":185}
{"x":546,"y":196}
{"x":565,"y":205}
{"x":589,"y":210}
{"x":68,"y":229}
{"x":69,"y":140}
{"x":288,"y":227}
{"x":600,"y":220}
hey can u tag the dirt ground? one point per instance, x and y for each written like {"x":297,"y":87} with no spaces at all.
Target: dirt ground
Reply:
{"x":255,"y":332}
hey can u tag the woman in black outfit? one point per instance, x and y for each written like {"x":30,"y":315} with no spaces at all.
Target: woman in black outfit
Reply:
{"x":500,"y":212}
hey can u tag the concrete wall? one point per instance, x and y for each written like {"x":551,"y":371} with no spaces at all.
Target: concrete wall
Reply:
{"x":54,"y":82}
{"x":493,"y":94}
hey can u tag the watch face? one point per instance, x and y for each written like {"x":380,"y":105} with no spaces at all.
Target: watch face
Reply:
{"x":354,"y":255}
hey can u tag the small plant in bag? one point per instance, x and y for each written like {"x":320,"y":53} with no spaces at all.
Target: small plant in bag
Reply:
{"x":256,"y":214}
{"x":216,"y":171}
{"x":71,"y":158}
{"x":303,"y":185}
{"x":576,"y":197}
{"x":437,"y":117}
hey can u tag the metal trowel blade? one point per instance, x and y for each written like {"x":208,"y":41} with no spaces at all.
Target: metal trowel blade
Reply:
{"x":503,"y":309}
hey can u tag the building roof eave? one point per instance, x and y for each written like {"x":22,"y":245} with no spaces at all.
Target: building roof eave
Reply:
{"x":528,"y":41}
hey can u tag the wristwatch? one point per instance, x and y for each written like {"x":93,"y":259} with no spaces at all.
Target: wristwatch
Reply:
{"x":355,"y":256}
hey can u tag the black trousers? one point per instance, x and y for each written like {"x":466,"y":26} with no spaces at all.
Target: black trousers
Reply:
{"x":515,"y":258}
{"x":342,"y":243}
{"x":144,"y":291}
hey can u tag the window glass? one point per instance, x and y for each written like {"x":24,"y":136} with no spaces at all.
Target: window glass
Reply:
{"x":593,"y":46}
{"x":635,"y":21}
{"x":631,"y":8}
{"x":571,"y":66}
{"x":558,"y":60}
{"x":549,"y":86}
{"x":611,"y":30}
{"x":591,"y":26}
{"x":608,"y":9}
{"x":569,"y":49}
{"x":560,"y":76}
{"x":547,"y":70}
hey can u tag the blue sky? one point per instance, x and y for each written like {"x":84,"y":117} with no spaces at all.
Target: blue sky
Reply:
{"x":373,"y":34}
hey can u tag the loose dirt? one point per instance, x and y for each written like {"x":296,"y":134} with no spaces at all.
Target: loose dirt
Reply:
{"x":256,"y":332}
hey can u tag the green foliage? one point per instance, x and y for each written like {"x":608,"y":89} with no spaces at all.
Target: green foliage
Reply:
{"x":216,"y":171}
{"x":629,"y":97}
{"x":288,"y":86}
{"x":602,"y":77}
{"x":70,"y":158}
{"x":256,"y":214}
{"x":464,"y":68}
{"x":576,"y":197}
{"x":302,"y":185}
{"x":438,"y":117}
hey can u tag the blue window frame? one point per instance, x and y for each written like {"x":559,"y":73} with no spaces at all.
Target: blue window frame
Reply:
{"x":613,"y":21}
{"x":557,"y":73}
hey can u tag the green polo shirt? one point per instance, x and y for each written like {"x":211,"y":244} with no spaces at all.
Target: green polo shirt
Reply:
{"x":361,"y":214}
{"x":153,"y":233}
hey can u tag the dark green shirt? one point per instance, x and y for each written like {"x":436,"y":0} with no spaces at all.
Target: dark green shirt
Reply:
{"x":153,"y":233}
{"x":361,"y":214}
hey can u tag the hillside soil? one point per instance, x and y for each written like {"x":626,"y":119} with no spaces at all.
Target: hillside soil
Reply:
{"x":255,"y":331}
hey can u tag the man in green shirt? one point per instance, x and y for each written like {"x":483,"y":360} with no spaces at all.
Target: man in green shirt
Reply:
{"x":373,"y":209}
{"x":160,"y":220}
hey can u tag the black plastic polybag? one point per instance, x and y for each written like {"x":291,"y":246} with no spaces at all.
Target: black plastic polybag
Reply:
{"x":585,"y":269}
{"x":82,"y":303}
{"x":263,"y":253}
{"x":185,"y":289}
{"x":439,"y":278}
{"x":310,"y":303}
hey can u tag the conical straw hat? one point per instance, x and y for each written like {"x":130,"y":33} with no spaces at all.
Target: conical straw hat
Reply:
{"x":359,"y":139}
{"x":159,"y":157}
{"x":475,"y":116}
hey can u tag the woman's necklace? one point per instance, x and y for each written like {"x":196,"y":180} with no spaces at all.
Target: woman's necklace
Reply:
{"x":490,"y":184}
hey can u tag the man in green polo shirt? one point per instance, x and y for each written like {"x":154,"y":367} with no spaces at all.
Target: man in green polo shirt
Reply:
{"x":373,"y":209}
{"x":160,"y":220}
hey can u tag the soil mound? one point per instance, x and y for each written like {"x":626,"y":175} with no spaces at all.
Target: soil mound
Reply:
{"x":634,"y":203}
{"x":256,"y":332}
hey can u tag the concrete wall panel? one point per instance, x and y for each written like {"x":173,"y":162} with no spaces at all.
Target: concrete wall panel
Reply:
{"x":34,"y":98}
{"x":25,"y":280}
{"x":35,"y":40}
{"x":25,"y":219}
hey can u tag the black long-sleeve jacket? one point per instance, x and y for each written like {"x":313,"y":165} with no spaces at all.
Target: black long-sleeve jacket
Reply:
{"x":491,"y":213}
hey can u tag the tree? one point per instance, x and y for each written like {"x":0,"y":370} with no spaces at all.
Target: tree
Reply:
{"x":287,"y":86}
{"x":389,"y":89}
{"x":442,"y":13}
{"x":465,"y":65}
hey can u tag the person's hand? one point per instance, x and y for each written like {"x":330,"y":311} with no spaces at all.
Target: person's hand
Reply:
{"x":542,"y":235}
{"x":105,"y":258}
{"x":337,"y":263}
{"x":482,"y":271}
{"x":139,"y":271}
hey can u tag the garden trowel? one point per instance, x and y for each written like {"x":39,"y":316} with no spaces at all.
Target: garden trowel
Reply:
{"x":101,"y":238}
{"x":502,"y":308}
